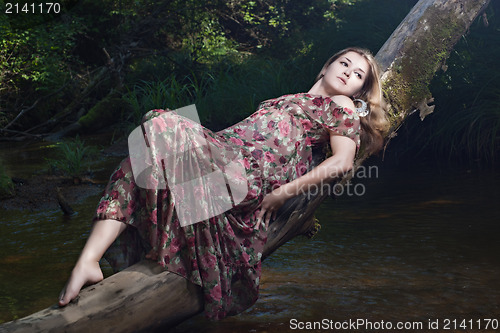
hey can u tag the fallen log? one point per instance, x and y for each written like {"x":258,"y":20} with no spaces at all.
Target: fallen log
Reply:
{"x":143,"y":296}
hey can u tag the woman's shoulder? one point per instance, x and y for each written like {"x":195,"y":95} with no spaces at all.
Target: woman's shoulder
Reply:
{"x":343,"y":101}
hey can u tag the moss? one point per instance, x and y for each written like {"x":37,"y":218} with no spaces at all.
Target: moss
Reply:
{"x":6,"y":184}
{"x":407,"y":85}
{"x":105,"y":112}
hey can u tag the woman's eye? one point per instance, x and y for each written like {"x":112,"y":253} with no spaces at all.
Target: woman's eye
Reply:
{"x":344,"y":63}
{"x":359,"y":75}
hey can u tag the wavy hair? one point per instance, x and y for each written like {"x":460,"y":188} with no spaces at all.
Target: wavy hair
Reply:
{"x":375,"y":125}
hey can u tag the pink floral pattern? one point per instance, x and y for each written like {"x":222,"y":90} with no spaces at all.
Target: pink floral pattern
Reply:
{"x":223,"y":254}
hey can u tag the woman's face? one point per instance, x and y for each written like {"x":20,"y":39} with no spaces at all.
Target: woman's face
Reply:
{"x":346,"y":75}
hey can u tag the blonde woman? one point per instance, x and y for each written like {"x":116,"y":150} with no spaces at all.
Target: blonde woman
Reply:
{"x":222,"y":253}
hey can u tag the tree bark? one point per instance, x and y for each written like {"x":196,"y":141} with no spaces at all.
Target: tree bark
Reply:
{"x":417,"y":48}
{"x":143,"y":297}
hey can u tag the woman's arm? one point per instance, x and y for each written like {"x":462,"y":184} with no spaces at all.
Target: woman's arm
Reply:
{"x":335,"y":166}
{"x":343,"y":150}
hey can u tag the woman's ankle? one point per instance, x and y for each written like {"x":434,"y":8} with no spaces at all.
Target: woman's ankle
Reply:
{"x":84,"y":273}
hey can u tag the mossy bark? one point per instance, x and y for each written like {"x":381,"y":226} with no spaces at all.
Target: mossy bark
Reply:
{"x":104,"y":113}
{"x":101,"y":115}
{"x":418,"y":48}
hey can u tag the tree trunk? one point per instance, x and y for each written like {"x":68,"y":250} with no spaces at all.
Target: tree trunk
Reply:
{"x":143,"y":297}
{"x":417,"y":48}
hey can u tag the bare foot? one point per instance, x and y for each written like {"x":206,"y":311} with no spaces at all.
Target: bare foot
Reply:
{"x":84,"y":273}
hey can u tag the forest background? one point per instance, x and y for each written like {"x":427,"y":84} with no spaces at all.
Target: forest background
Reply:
{"x":98,"y":66}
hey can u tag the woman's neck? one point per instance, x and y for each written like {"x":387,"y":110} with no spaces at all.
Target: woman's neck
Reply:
{"x":318,"y":89}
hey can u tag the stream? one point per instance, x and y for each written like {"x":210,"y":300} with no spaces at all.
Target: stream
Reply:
{"x":406,"y":246}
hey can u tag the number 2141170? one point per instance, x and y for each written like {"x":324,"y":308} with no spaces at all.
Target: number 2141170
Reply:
{"x":33,"y":8}
{"x":479,"y":324}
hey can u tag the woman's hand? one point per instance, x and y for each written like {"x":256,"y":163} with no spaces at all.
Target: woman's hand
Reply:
{"x":270,"y":205}
{"x":335,"y":166}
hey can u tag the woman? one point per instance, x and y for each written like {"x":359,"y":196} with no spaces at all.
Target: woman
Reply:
{"x":222,"y":253}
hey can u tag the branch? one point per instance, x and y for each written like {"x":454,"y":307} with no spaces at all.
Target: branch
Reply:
{"x":20,"y":114}
{"x":30,"y":108}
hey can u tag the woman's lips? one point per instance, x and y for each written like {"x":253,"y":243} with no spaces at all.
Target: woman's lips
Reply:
{"x":341,"y":79}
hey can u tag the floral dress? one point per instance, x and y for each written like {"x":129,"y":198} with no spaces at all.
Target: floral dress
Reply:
{"x":222,"y":253}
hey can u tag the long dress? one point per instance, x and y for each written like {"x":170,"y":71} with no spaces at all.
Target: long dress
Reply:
{"x":221,"y":253}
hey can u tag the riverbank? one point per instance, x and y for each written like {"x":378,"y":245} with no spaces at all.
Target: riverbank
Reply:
{"x":38,"y":190}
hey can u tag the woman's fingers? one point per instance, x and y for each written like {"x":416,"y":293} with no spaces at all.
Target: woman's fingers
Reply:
{"x":264,"y":218}
{"x":269,"y":214}
{"x":259,"y":218}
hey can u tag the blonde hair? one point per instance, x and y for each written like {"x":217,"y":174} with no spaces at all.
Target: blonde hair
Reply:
{"x":375,"y":125}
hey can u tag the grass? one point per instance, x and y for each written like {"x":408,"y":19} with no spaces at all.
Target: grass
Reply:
{"x":74,"y":157}
{"x":223,"y":94}
{"x":6,"y":184}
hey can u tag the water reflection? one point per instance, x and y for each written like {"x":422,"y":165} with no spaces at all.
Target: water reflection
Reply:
{"x":416,"y":246}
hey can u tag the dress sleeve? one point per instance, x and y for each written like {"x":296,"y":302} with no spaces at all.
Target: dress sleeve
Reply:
{"x":337,"y":119}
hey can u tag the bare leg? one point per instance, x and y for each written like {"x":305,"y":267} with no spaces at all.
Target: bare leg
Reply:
{"x":87,"y":270}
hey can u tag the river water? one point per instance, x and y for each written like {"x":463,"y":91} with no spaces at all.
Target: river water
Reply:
{"x":417,"y":247}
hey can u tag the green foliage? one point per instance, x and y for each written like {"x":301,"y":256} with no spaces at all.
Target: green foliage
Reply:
{"x":334,"y":6}
{"x":224,"y":56}
{"x":35,"y":60}
{"x":74,"y":158}
{"x":361,"y":23}
{"x":40,"y":54}
{"x":35,"y":53}
{"x":207,"y":39}
{"x":6,"y":184}
{"x":238,"y":88}
{"x":169,"y":93}
{"x":223,"y":93}
{"x":225,"y":90}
